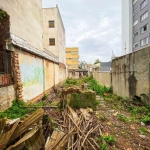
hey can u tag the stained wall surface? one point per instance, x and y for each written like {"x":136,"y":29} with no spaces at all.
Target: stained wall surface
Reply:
{"x":104,"y":78}
{"x":49,"y":75}
{"x":131,"y":74}
{"x":32,"y":75}
{"x":25,"y":20}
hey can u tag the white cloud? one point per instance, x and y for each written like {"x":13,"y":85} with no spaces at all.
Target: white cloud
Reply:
{"x":94,"y":27}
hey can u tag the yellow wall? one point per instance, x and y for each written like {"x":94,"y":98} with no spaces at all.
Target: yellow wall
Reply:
{"x":72,"y":57}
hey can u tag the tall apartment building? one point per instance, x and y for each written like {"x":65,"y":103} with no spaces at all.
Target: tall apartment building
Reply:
{"x":72,"y":57}
{"x":135,"y":25}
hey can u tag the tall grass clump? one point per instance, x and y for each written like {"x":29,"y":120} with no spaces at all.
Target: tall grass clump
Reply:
{"x":99,"y":89}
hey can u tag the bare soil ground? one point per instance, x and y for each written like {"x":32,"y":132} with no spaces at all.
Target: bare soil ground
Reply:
{"x":126,"y":132}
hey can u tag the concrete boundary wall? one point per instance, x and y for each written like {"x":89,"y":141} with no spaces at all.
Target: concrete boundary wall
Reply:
{"x":131,"y":74}
{"x":104,"y":78}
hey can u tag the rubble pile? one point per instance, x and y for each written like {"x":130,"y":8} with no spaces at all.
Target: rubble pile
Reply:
{"x":75,"y":131}
{"x":17,"y":134}
{"x":67,"y":129}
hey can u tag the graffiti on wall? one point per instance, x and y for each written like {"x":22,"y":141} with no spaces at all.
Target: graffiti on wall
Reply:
{"x":32,"y":76}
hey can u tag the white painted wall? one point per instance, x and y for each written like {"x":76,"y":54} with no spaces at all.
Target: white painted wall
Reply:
{"x":127,"y":26}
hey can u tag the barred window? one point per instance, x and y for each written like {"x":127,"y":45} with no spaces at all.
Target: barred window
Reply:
{"x":5,"y":67}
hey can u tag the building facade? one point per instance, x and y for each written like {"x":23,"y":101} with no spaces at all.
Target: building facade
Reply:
{"x":135,"y":25}
{"x":72,"y":57}
{"x":54,"y":37}
{"x":28,"y":68}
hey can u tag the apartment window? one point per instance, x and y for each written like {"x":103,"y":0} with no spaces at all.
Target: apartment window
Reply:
{"x":135,"y":22}
{"x":135,"y":11}
{"x":74,"y":52}
{"x":74,"y":59}
{"x":144,"y":3}
{"x":144,"y":28}
{"x":135,"y":45}
{"x":144,"y":41}
{"x":135,"y":34}
{"x":144,"y":16}
{"x":52,"y":41}
{"x":134,"y":1}
{"x":51,"y":24}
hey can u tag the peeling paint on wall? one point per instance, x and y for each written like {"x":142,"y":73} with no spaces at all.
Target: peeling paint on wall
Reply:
{"x":32,"y":76}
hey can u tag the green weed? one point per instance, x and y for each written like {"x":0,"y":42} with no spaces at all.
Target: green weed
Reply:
{"x":145,"y":119}
{"x":93,"y":84}
{"x":103,"y":147}
{"x":122,"y":118}
{"x":108,"y":139}
{"x":143,"y":130}
{"x":17,"y":110}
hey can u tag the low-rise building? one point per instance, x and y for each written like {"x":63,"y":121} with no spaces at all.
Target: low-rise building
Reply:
{"x":29,"y":68}
{"x":72,"y":58}
{"x":54,"y":38}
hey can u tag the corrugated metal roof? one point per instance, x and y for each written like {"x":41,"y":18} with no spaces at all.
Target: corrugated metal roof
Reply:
{"x":17,"y":41}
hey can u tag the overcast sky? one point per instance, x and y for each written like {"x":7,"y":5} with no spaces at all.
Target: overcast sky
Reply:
{"x":92,"y":25}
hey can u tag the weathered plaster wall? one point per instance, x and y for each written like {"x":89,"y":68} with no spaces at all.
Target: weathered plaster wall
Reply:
{"x":37,"y":75}
{"x":104,"y":78}
{"x":32,"y":75}
{"x":56,"y":73}
{"x":131,"y":73}
{"x":61,"y":39}
{"x":49,"y":75}
{"x":25,"y":20}
{"x":58,"y":32}
{"x":49,"y":14}
{"x":7,"y":95}
{"x":62,"y":74}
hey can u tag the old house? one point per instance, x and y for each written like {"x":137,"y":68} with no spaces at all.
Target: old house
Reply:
{"x":29,"y":64}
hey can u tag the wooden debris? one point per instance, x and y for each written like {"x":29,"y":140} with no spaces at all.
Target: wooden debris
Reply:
{"x":7,"y":132}
{"x":81,"y":132}
{"x":27,"y":123}
{"x":33,"y":140}
{"x":72,"y":130}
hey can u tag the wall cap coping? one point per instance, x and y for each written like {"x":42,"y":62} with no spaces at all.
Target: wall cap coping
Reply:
{"x":17,"y":41}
